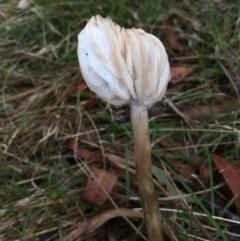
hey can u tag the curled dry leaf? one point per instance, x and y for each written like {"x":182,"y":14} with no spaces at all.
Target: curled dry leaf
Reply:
{"x":169,"y":32}
{"x":90,"y":225}
{"x":97,"y":189}
{"x":179,"y":73}
{"x":231,"y":174}
{"x":24,"y":4}
{"x":95,"y":222}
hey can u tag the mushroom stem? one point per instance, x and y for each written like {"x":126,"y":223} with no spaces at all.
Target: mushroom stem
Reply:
{"x":142,"y":149}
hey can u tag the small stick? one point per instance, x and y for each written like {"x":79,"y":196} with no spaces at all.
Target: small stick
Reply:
{"x":142,"y":150}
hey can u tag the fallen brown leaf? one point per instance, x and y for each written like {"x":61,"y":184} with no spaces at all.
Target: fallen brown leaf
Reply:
{"x":168,"y":145}
{"x":97,"y":189}
{"x":82,"y":87}
{"x":179,"y":73}
{"x":203,"y":111}
{"x":231,"y":174}
{"x":185,"y":170}
{"x":90,"y":225}
{"x":72,"y":91}
{"x":169,"y":32}
{"x":204,"y":172}
{"x":81,"y":152}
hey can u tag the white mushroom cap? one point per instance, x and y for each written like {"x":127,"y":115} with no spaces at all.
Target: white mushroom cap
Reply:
{"x":122,"y":66}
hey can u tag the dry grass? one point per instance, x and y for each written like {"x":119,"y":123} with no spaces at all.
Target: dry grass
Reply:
{"x":44,"y":103}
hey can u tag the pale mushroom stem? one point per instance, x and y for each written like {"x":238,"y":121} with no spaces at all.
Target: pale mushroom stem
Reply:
{"x":142,"y":149}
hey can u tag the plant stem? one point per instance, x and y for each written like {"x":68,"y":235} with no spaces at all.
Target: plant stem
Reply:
{"x":142,"y":149}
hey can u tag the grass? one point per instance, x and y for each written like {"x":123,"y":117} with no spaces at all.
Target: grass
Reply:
{"x":42,"y":181}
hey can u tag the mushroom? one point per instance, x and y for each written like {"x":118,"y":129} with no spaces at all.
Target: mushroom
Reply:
{"x":128,"y":66}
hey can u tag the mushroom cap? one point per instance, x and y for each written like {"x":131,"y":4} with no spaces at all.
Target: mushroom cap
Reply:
{"x":122,"y":66}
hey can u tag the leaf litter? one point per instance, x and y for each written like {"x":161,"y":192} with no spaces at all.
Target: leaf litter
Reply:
{"x":52,"y":128}
{"x":231,"y":174}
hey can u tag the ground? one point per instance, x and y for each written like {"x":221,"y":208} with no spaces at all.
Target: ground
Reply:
{"x":54,"y":132}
